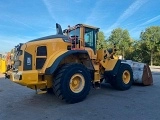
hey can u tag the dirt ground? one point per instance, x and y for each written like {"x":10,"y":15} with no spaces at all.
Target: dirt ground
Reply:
{"x":138,"y":103}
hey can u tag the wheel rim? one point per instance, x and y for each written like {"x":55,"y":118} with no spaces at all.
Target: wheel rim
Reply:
{"x":77,"y":83}
{"x":126,"y":76}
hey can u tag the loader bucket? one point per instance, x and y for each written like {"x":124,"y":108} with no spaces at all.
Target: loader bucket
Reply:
{"x":147,"y":76}
{"x":141,"y":72}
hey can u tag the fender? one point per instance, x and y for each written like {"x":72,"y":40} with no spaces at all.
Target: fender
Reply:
{"x":112,"y":69}
{"x":57,"y":59}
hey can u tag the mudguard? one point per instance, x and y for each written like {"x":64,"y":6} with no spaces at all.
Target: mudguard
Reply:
{"x":57,"y":58}
{"x":113,"y":70}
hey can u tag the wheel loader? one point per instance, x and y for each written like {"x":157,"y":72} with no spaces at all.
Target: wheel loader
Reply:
{"x":68,"y":64}
{"x":2,"y":63}
{"x":6,"y":61}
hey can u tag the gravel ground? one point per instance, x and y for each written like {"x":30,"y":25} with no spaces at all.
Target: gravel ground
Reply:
{"x":138,"y":103}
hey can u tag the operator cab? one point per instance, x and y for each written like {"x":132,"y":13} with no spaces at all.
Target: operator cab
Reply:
{"x":82,"y":36}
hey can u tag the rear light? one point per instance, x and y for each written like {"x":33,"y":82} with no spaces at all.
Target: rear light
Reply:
{"x":17,"y":76}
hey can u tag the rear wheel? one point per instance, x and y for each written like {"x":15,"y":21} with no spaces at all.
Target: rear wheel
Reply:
{"x":124,"y":78}
{"x":72,"y":83}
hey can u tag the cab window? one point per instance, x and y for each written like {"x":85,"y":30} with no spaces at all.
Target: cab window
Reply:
{"x":90,"y":37}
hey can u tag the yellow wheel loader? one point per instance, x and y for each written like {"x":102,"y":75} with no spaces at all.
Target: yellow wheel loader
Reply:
{"x":3,"y":63}
{"x":68,"y":63}
{"x":6,"y":61}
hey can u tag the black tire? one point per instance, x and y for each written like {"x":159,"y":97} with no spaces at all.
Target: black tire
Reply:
{"x":124,"y":78}
{"x":50,"y":90}
{"x":62,"y":83}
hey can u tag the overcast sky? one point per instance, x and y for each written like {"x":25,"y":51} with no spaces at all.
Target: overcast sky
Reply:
{"x":24,"y":20}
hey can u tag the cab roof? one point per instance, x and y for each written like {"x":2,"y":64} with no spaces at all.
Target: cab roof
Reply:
{"x":78,"y":25}
{"x":89,"y":26}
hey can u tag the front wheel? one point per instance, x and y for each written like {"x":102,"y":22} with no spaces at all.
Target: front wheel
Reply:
{"x":124,"y":78}
{"x":72,"y":83}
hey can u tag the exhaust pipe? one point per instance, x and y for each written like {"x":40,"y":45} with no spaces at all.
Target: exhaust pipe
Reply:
{"x":59,"y":29}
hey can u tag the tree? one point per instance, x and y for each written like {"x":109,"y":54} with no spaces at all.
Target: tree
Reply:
{"x":101,"y":43}
{"x":129,"y":53}
{"x":122,"y":40}
{"x":151,"y":38}
{"x":139,"y":52}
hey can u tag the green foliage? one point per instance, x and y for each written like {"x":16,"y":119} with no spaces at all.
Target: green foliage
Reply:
{"x":121,"y":39}
{"x":139,"y":52}
{"x":151,"y":38}
{"x":101,"y":43}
